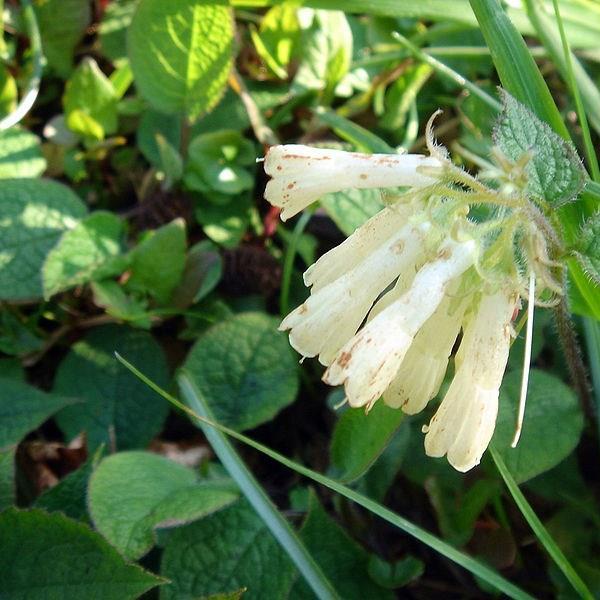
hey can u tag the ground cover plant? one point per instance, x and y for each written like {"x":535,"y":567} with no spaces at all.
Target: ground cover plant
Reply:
{"x":196,"y":195}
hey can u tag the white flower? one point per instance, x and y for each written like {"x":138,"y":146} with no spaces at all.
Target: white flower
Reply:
{"x":385,"y":312}
{"x":422,"y":371}
{"x":370,"y":361}
{"x":464,"y":423}
{"x":301,"y":174}
{"x":333,"y":313}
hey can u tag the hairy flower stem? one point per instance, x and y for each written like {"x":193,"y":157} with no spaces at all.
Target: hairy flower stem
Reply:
{"x":573,"y":355}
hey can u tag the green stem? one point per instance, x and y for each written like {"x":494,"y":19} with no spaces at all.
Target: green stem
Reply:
{"x":262,"y":504}
{"x":540,"y":531}
{"x":33,"y":86}
{"x":288,"y":262}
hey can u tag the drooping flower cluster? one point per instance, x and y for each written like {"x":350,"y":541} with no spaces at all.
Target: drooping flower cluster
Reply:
{"x":388,"y":305}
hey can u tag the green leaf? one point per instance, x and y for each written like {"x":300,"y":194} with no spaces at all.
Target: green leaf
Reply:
{"x":341,"y":558}
{"x":171,"y":162}
{"x":358,"y":439}
{"x":224,"y":552}
{"x":326,"y":53}
{"x":111,"y":296}
{"x":225,"y":224}
{"x":202,"y":273}
{"x":245,"y":369}
{"x":17,"y":336}
{"x":88,"y":252}
{"x":133,"y":493}
{"x":351,"y":208}
{"x":69,"y":495}
{"x":157,"y":263}
{"x":181,"y":54}
{"x":51,"y":557}
{"x":218,"y":161}
{"x":62,"y":24}
{"x":33,"y":215}
{"x":277,"y":38}
{"x":153,"y":124}
{"x":552,"y":427}
{"x":113,"y":29}
{"x":362,"y":139}
{"x":587,"y":248}
{"x":396,"y":574}
{"x":20,"y":154}
{"x":90,"y":102}
{"x":23,"y":408}
{"x":554,"y":170}
{"x":117,"y":409}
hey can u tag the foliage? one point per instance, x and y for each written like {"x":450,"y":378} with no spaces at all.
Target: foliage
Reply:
{"x":132,"y":221}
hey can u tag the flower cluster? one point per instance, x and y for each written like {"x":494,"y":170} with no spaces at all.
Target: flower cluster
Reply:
{"x":388,"y":305}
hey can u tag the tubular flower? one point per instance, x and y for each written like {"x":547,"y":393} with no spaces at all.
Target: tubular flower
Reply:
{"x":388,"y":304}
{"x":334,"y":170}
{"x":464,"y":423}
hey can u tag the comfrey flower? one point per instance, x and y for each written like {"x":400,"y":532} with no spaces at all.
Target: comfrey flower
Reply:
{"x":388,"y":304}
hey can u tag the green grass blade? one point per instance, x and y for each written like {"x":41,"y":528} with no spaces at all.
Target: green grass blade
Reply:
{"x":584,"y":91}
{"x":447,"y":72}
{"x":515,"y":65}
{"x":540,"y":531}
{"x":257,"y":497}
{"x":469,"y":563}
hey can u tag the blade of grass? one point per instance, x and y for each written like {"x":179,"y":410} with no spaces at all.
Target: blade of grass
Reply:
{"x":540,"y":531}
{"x":446,"y":71}
{"x":262,"y":504}
{"x":585,"y":93}
{"x":474,"y":566}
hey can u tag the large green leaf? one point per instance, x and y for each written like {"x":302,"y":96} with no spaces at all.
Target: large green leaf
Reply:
{"x":359,"y":438}
{"x":181,"y":53}
{"x":224,"y":552}
{"x":245,"y":369}
{"x":133,"y":493}
{"x":88,"y":252}
{"x":7,"y":478}
{"x":552,"y":428}
{"x":51,"y":557}
{"x":33,"y":215}
{"x":116,"y":408}
{"x":20,"y":154}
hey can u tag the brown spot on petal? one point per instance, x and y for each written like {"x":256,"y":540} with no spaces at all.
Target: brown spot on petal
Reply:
{"x":363,"y":175}
{"x":444,"y":254}
{"x":279,"y":168}
{"x":291,"y":185}
{"x":344,"y":358}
